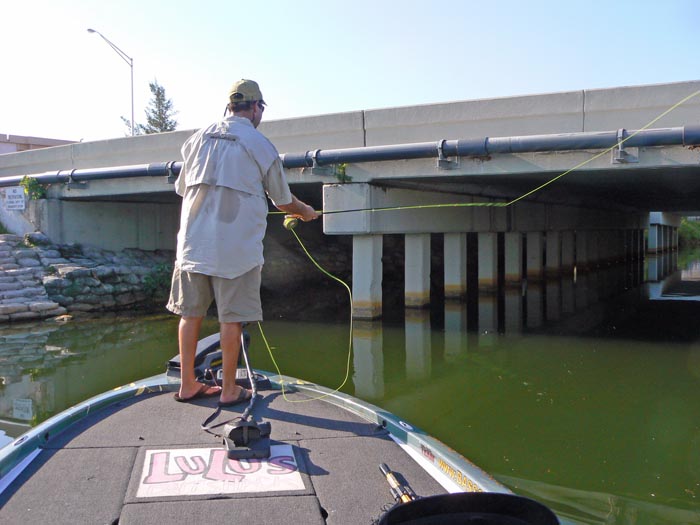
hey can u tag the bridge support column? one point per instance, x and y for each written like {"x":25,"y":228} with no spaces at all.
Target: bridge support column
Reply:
{"x":654,"y":238}
{"x":417,"y":268}
{"x":455,"y":254}
{"x":622,"y":245}
{"x":488,"y":261}
{"x":593,"y":249}
{"x":610,"y":246}
{"x":567,"y":252}
{"x":513,"y":247}
{"x":630,"y":241}
{"x":582,"y":262}
{"x":639,"y":245}
{"x":675,"y":238}
{"x":604,"y":241}
{"x":367,"y":276}
{"x":533,"y":265}
{"x":553,"y":254}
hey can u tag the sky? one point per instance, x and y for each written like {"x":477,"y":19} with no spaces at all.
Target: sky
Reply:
{"x":315,"y":57}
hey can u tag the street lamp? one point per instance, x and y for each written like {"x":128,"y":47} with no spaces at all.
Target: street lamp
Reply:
{"x":126,"y":58}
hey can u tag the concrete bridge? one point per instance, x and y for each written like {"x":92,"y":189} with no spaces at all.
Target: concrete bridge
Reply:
{"x":536,"y":182}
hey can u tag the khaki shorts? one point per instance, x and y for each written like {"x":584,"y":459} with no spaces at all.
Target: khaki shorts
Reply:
{"x":237,"y":299}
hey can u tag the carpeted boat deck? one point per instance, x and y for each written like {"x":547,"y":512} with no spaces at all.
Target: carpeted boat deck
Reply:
{"x":146,"y":460}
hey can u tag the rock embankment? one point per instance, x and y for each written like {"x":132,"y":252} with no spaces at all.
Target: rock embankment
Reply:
{"x":39,"y":279}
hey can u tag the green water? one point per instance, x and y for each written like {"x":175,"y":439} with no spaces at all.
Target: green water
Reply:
{"x":582,"y":395}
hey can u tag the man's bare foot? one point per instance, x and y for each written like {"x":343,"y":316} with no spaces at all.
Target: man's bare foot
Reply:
{"x":197,"y":393}
{"x":242,"y":395}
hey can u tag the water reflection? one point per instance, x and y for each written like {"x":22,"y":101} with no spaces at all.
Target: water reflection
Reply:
{"x":455,"y":329}
{"x":368,"y":360}
{"x":418,"y":345}
{"x":46,"y":367}
{"x":678,"y":285}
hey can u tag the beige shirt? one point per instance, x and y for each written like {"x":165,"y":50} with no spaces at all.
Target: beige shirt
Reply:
{"x":229,"y":168}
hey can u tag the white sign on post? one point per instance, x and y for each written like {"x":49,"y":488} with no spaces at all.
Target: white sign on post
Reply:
{"x":23,"y":409}
{"x":14,"y":198}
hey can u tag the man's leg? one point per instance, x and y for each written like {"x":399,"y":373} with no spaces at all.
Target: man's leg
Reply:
{"x":230,"y":347}
{"x":188,"y":335}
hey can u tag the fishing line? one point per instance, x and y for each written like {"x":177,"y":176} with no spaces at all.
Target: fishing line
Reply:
{"x":269,"y":349}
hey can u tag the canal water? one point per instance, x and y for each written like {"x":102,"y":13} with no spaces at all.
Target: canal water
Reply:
{"x":580,"y":392}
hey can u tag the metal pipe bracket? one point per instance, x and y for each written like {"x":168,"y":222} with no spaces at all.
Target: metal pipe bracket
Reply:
{"x":75,"y":184}
{"x":315,"y":168}
{"x":443,"y":163}
{"x":622,"y":154}
{"x":169,"y":173}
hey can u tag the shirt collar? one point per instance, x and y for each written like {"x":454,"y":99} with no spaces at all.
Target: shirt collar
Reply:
{"x":238,"y":120}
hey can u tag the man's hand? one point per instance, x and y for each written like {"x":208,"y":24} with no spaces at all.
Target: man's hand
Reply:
{"x":299,"y":210}
{"x":309,"y":214}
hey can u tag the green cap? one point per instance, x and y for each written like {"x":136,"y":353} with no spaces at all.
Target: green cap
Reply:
{"x":245,"y":91}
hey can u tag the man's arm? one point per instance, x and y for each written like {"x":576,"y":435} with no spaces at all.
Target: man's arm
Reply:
{"x":299,"y":209}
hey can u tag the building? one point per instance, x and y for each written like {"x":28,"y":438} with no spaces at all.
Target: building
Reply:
{"x":13,"y":143}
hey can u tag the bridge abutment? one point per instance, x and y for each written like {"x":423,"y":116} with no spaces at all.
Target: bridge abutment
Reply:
{"x":108,"y":225}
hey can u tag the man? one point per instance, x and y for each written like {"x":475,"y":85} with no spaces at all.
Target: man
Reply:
{"x":229,"y":168}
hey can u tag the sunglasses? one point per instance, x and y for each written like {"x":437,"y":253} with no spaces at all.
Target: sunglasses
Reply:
{"x":261,"y":106}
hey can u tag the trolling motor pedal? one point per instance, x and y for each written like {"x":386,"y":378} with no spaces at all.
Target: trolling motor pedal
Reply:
{"x":247,"y":439}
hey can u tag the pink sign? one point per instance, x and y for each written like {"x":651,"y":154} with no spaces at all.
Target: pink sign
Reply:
{"x":205,"y":471}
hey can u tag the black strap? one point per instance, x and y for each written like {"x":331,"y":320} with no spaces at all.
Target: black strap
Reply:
{"x":207,"y":426}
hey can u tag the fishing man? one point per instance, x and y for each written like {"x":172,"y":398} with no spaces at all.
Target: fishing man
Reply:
{"x":228,"y":171}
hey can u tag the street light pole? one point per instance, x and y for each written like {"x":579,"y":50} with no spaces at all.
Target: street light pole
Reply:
{"x":130,"y":61}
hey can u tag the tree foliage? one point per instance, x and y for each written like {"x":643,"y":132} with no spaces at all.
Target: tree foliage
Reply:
{"x":160,"y":115}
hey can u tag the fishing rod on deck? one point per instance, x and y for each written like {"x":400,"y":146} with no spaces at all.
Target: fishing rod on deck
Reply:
{"x":402,"y":493}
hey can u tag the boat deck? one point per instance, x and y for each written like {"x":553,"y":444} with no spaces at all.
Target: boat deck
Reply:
{"x":149,"y":462}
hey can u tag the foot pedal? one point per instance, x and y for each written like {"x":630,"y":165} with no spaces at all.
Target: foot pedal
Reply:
{"x":247,"y":439}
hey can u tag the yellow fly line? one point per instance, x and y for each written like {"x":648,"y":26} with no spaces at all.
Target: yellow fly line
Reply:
{"x":347,"y":366}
